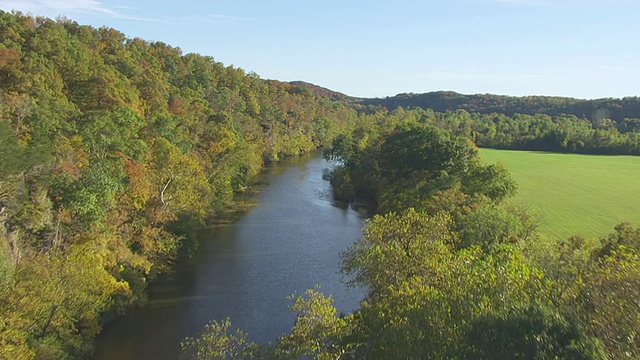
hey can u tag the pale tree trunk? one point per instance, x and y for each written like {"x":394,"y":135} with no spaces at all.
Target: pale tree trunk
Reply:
{"x":14,"y":244}
{"x":165,"y":202}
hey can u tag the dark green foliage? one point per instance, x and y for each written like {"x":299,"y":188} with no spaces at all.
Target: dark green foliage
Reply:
{"x":596,"y":110}
{"x":625,"y":236}
{"x":419,"y":166}
{"x":12,"y":155}
{"x":532,"y":333}
{"x":535,"y":130}
{"x":426,"y":150}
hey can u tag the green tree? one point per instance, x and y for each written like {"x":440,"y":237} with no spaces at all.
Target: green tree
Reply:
{"x":318,"y":332}
{"x":532,"y":333}
{"x":218,"y":342}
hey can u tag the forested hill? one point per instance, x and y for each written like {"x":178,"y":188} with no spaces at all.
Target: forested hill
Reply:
{"x":595,"y":110}
{"x":113,"y":151}
{"x":320,"y":91}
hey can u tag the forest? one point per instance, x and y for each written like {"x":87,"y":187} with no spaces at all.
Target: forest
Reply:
{"x":115,"y":150}
{"x":112,"y":152}
{"x":595,"y":110}
{"x":604,"y":126}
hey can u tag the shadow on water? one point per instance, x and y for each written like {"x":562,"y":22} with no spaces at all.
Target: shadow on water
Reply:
{"x":245,"y":270}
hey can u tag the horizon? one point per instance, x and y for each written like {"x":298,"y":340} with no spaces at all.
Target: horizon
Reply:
{"x":457,"y":92}
{"x":561,"y":48}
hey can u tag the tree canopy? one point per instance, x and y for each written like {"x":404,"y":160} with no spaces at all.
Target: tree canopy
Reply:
{"x":454,"y":272}
{"x":113,"y":150}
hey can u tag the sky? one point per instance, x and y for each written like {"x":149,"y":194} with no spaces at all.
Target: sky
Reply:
{"x":578,"y":48}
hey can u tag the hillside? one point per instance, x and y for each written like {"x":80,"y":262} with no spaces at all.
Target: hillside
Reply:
{"x":321,"y":91}
{"x":113,"y":152}
{"x":595,"y":110}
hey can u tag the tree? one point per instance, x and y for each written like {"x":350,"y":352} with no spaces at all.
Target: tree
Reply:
{"x":535,"y":332}
{"x":426,"y":150}
{"x":317,"y":333}
{"x":217,"y":342}
{"x":396,"y":247}
{"x":425,"y":293}
{"x":421,"y":163}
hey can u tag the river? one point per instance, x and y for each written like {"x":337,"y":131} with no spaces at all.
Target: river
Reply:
{"x":289,"y":242}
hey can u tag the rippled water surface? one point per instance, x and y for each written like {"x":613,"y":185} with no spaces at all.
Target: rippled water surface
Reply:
{"x":288,"y":243}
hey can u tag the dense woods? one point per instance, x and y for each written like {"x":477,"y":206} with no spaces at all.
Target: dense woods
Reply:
{"x":595,"y":110}
{"x":563,"y":133}
{"x":113,"y":151}
{"x":603,"y":126}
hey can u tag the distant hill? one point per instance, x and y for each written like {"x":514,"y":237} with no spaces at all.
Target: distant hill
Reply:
{"x":595,"y":110}
{"x":321,"y":91}
{"x":441,"y":101}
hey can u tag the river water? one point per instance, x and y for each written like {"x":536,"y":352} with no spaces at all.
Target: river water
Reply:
{"x":290,"y":242}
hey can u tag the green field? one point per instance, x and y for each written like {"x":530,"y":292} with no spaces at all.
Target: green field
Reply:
{"x":575,"y":194}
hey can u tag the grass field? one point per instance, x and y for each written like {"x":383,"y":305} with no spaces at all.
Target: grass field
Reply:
{"x":575,"y":194}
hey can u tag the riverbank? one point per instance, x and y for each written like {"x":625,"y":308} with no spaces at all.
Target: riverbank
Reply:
{"x":289,"y":241}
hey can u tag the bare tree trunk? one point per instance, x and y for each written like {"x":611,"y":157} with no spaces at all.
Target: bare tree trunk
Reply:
{"x":14,"y":242}
{"x":57,"y":234}
{"x":162,"y":200}
{"x":46,"y":326}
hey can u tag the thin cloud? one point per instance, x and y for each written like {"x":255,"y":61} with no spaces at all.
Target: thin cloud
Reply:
{"x":54,"y":8}
{"x":124,"y":7}
{"x":60,"y":6}
{"x":227,"y":18}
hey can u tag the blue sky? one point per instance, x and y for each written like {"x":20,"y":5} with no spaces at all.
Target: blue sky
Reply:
{"x":578,"y":48}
